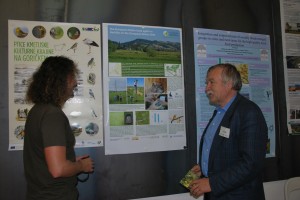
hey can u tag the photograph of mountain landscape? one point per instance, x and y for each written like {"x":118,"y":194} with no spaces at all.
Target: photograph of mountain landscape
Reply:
{"x":143,"y":51}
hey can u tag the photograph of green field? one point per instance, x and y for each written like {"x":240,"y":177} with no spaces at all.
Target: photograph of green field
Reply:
{"x":118,"y":91}
{"x":135,"y":90}
{"x":142,"y":117}
{"x":133,"y":97}
{"x":126,"y":91}
{"x":143,"y":51}
{"x":118,"y":97}
{"x":120,"y":118}
{"x":140,"y":64}
{"x":142,"y":56}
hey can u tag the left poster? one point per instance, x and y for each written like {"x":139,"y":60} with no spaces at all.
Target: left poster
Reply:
{"x":29,"y":43}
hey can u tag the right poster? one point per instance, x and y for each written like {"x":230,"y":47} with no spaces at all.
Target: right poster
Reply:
{"x":290,"y":19}
{"x":251,"y":54}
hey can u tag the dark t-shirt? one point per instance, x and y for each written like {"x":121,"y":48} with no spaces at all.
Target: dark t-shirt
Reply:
{"x":47,"y":125}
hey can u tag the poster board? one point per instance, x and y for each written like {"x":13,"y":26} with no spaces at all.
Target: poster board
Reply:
{"x":291,"y":56}
{"x":30,"y":42}
{"x":251,"y":55}
{"x":143,"y":84}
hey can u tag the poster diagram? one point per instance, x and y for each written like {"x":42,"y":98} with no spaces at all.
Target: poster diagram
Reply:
{"x":30,"y":42}
{"x":143,"y":89}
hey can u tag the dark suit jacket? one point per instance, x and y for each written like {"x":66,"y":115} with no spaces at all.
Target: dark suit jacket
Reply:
{"x":236,"y":163}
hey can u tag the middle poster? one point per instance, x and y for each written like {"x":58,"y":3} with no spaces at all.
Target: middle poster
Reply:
{"x":143,"y":87}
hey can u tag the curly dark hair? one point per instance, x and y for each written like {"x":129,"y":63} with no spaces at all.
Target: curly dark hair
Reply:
{"x":49,"y":83}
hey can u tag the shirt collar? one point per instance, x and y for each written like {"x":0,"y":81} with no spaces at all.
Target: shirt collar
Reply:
{"x":226,"y":106}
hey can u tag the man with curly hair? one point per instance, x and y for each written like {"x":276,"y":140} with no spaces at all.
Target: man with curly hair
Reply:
{"x":50,"y":164}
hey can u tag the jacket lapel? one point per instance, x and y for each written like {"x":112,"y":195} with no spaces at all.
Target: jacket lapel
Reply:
{"x":217,"y":142}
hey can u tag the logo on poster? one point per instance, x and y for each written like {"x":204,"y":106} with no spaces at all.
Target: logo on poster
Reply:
{"x":90,"y":29}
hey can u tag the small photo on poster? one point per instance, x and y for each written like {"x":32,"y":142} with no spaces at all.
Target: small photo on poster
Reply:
{"x":135,"y":90}
{"x":293,"y":62}
{"x":156,"y":97}
{"x":117,"y":91}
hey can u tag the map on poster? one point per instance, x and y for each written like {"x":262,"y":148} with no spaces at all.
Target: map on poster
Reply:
{"x":30,"y":42}
{"x":143,"y":89}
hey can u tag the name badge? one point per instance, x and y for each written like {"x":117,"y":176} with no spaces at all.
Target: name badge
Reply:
{"x":224,"y":132}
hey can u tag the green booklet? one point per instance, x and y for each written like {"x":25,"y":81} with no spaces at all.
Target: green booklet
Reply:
{"x":188,"y":178}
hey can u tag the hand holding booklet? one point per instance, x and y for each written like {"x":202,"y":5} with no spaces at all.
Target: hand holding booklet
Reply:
{"x":188,"y":178}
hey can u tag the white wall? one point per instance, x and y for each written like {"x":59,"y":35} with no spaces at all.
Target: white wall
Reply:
{"x":273,"y":191}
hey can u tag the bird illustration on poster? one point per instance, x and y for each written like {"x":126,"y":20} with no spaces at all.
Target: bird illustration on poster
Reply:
{"x":90,"y":43}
